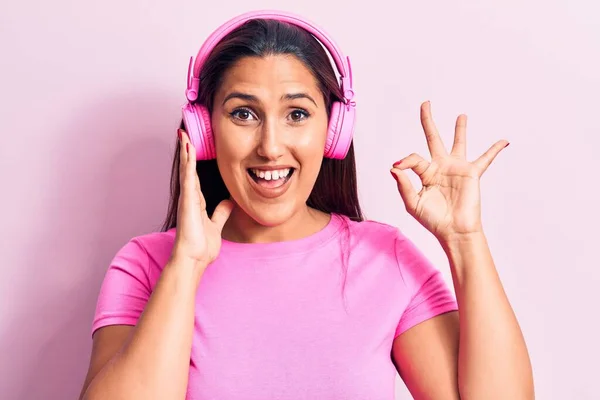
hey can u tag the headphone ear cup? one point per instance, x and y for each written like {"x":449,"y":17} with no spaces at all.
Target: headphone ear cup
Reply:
{"x":207,"y":134}
{"x":340,"y":130}
{"x":196,"y":119}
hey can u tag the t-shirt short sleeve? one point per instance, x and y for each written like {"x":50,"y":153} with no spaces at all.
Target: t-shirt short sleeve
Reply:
{"x":125,"y":289}
{"x":429,"y":293}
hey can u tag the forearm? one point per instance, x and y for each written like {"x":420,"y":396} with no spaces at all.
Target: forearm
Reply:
{"x":493,"y":358}
{"x":154,"y":363}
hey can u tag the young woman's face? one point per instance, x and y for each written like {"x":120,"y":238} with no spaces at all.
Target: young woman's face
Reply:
{"x":270,"y":124}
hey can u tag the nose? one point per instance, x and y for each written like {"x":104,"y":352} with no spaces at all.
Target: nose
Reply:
{"x":270,"y":146}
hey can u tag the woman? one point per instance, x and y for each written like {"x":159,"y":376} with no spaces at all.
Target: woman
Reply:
{"x":266,"y":282}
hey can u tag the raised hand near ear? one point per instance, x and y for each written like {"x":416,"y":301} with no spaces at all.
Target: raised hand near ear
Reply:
{"x":448,"y":204}
{"x":198,"y":237}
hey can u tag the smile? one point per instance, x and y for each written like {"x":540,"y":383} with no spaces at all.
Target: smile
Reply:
{"x":270,"y":183}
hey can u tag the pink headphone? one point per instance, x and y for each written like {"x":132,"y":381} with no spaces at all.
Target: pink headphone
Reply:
{"x":341,"y":122}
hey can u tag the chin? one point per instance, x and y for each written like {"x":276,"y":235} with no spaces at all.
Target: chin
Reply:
{"x":271,"y":215}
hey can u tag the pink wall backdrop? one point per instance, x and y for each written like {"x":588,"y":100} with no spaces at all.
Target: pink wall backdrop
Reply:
{"x":89,"y":101}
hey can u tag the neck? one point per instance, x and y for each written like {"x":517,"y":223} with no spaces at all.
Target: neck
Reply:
{"x":240,"y":227}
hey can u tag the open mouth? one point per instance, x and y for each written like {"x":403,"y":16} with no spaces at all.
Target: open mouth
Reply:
{"x":271,"y":179}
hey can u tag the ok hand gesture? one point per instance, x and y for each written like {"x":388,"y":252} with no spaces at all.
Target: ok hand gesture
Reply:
{"x":448,"y":204}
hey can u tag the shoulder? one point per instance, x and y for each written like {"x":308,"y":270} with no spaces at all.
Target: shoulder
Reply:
{"x":382,"y":233}
{"x":374,"y":237}
{"x":156,"y":243}
{"x":369,"y":241}
{"x":145,"y":255}
{"x":373,"y":231}
{"x":151,"y":243}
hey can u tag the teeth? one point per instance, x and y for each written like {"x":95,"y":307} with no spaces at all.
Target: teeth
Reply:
{"x":271,"y":175}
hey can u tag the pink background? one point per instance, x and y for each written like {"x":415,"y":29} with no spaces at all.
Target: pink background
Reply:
{"x":90,"y":96}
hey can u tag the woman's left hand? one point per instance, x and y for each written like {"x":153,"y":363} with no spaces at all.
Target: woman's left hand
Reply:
{"x":448,"y":204}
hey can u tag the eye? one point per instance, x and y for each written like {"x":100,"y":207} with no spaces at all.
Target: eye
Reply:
{"x":299,"y":115}
{"x":242,"y":114}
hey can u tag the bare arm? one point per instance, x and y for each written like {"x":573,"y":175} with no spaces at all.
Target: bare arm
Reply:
{"x":426,"y":357}
{"x":151,"y":360}
{"x":479,"y":352}
{"x":493,"y":362}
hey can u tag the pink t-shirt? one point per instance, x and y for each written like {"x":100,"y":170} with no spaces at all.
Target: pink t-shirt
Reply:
{"x":313,"y":318}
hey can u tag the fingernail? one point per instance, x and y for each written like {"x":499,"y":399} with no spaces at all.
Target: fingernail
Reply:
{"x":394,"y":176}
{"x":397,"y":163}
{"x":187,"y":148}
{"x":506,"y":145}
{"x":179,"y":133}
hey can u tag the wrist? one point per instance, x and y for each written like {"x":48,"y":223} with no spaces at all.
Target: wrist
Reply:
{"x":186,"y":265}
{"x":462,"y":239}
{"x":461,"y":247}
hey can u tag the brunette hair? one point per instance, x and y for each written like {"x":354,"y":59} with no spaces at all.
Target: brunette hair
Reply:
{"x":335,"y":190}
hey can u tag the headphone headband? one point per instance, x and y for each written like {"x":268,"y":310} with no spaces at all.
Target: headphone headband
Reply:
{"x":342,"y":63}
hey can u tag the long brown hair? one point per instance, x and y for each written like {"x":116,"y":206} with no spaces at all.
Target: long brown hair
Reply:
{"x":335,"y":189}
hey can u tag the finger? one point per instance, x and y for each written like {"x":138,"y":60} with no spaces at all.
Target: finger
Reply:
{"x":189,"y":182}
{"x":484,"y":161}
{"x":191,"y":153}
{"x":406,"y":189}
{"x":188,"y":156}
{"x":222,"y":213}
{"x":415,"y":162}
{"x":459,"y":147}
{"x":182,"y":155}
{"x":434,"y":141}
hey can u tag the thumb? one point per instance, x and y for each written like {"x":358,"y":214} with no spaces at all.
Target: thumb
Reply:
{"x":406,"y":189}
{"x":222,"y":213}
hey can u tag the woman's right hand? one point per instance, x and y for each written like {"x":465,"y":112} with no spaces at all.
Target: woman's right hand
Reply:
{"x":198,"y":237}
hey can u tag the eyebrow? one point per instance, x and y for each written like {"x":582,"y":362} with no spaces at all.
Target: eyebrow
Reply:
{"x":253,"y":99}
{"x":243,"y":96}
{"x":294,"y":96}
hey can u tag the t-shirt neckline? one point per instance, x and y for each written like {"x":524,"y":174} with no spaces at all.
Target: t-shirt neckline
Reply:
{"x":283,"y":248}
